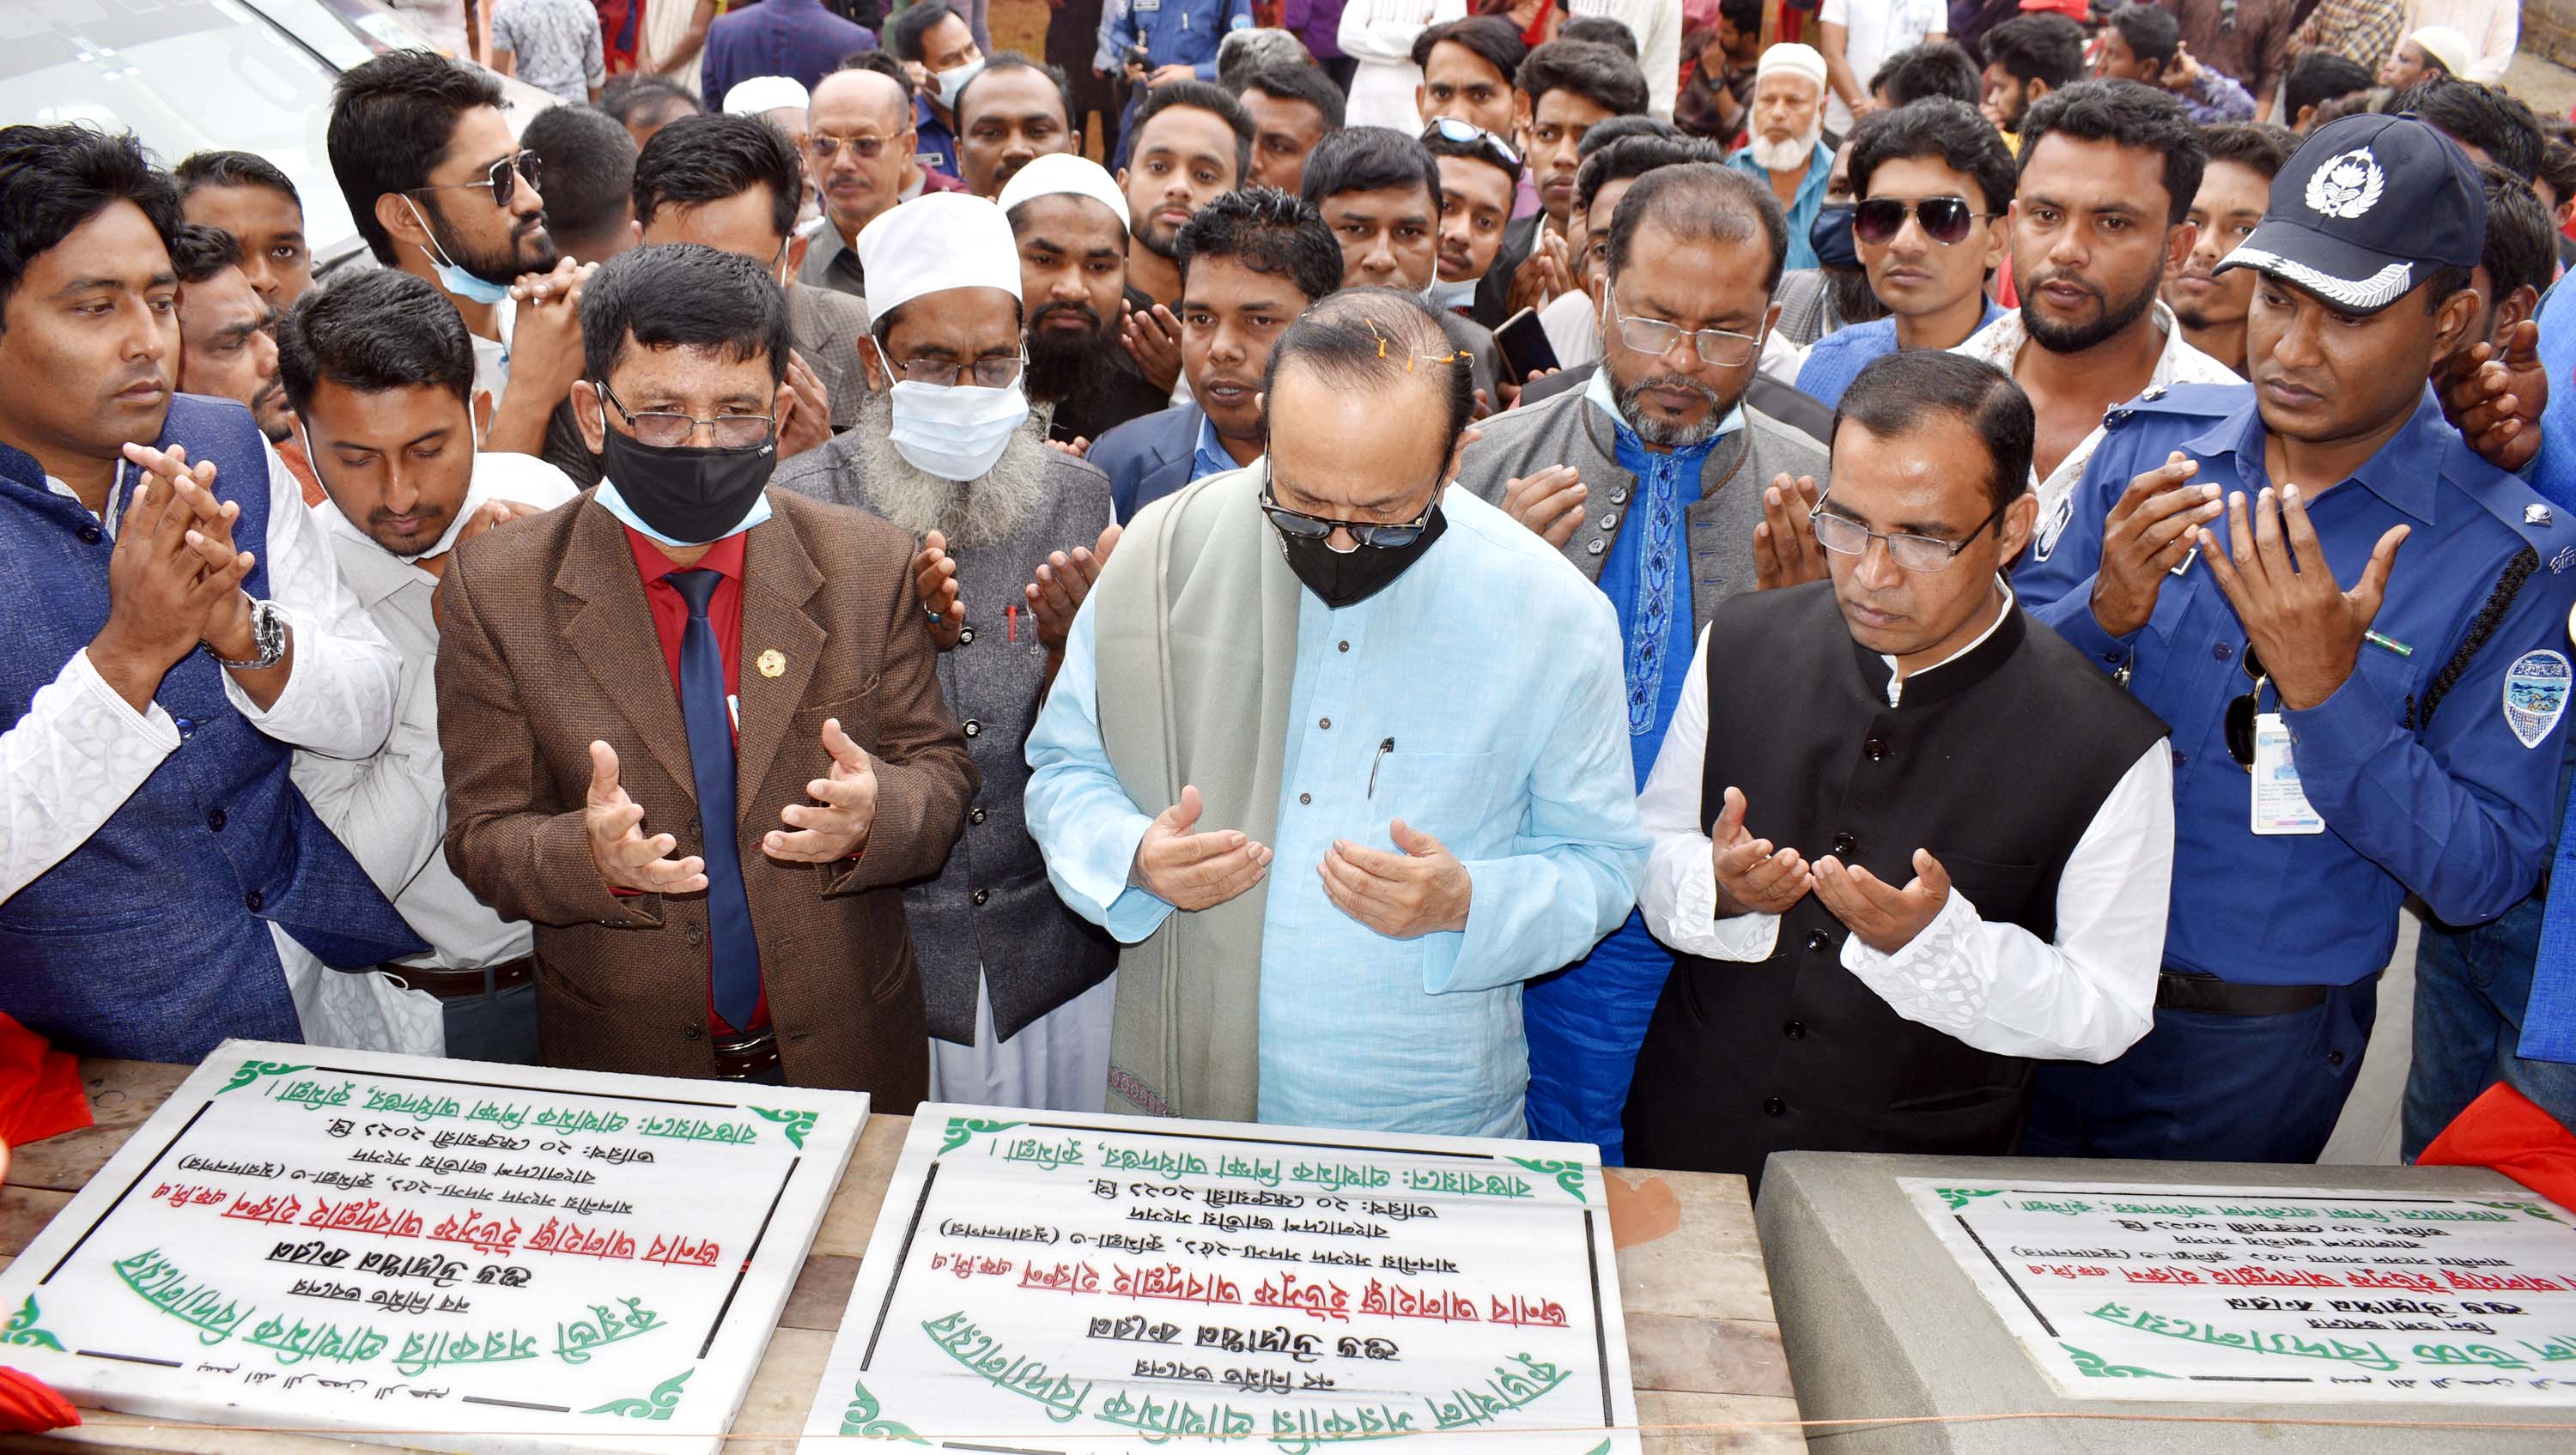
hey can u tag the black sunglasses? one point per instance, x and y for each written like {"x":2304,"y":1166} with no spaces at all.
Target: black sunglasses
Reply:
{"x":2242,"y":711}
{"x":502,"y":177}
{"x":1945,"y":219}
{"x":1367,"y":532}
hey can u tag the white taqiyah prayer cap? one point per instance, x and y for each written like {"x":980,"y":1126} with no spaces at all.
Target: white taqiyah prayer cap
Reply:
{"x":1064,"y":172}
{"x":2445,"y":44}
{"x":935,"y":242}
{"x":756,"y":94}
{"x":1796,"y":59}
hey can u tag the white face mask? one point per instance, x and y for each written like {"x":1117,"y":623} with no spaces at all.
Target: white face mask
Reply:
{"x":955,"y":431}
{"x":1443,"y":295}
{"x":954,"y":81}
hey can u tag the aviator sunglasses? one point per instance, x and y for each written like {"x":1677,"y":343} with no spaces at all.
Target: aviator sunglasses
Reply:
{"x":1945,"y":219}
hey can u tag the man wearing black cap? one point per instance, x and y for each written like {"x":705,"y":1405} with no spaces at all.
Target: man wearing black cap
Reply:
{"x":2354,"y":628}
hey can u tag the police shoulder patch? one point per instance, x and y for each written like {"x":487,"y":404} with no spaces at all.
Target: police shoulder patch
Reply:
{"x":2535,"y":695}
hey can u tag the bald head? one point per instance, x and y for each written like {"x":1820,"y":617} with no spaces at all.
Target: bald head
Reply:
{"x":859,"y":143}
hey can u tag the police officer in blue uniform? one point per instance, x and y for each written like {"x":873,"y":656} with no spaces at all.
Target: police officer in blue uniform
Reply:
{"x":2355,"y":628}
{"x":1172,"y":34}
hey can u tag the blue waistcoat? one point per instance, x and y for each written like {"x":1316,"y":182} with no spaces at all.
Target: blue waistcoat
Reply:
{"x":151,"y":939}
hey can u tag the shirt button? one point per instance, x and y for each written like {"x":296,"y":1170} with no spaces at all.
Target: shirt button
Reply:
{"x":215,"y":819}
{"x":1326,"y":724}
{"x":979,"y":896}
{"x":692,"y":1032}
{"x":253,"y":900}
{"x":974,"y":815}
{"x":2180,"y":757}
{"x":1775,"y":1107}
{"x":974,"y":728}
{"x":185,"y":725}
{"x":1844,"y":843}
{"x":1304,"y":799}
{"x":1345,"y":646}
{"x":1610,"y":521}
{"x":1619,"y":496}
{"x":2334,"y":1058}
{"x":965,"y":636}
{"x":1592,"y":548}
{"x":89,"y":535}
{"x":1795,"y":1030}
{"x":2222,"y":651}
{"x":695,"y":935}
{"x":1819,"y":941}
{"x":1876,"y":748}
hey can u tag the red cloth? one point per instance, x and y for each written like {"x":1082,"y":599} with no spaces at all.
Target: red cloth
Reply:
{"x":40,"y":1087}
{"x":2503,"y":1130}
{"x":29,"y":1406}
{"x":670,"y":619}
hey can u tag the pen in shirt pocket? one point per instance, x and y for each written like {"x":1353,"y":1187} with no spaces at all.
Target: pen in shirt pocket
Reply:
{"x":1383,"y":748}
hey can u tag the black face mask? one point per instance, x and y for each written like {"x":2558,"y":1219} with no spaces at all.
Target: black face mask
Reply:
{"x":1831,"y":236}
{"x":1340,"y":578}
{"x":687,"y":493}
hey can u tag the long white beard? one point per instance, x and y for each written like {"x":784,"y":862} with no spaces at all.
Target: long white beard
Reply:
{"x":977,"y":512}
{"x":1791,"y":155}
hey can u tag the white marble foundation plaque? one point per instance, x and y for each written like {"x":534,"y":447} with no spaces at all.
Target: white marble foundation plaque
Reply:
{"x":1095,"y":1285}
{"x":442,"y":1254}
{"x":2119,"y":1291}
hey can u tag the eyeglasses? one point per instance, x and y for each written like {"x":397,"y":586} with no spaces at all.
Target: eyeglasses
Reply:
{"x":1945,"y":219}
{"x":1845,"y":536}
{"x":1466,"y":133}
{"x":865,"y":148}
{"x":995,"y":372}
{"x":502,"y":177}
{"x":2242,"y":711}
{"x":1367,"y":532}
{"x":1717,"y":347}
{"x":664,"y":430}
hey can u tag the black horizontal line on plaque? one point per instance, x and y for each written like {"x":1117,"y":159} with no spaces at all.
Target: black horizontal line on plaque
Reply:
{"x":992,"y":1449}
{"x":532,"y":1090}
{"x":516,"y":1404}
{"x":130,"y":1359}
{"x":2259,"y":1194}
{"x":2253,"y":1378}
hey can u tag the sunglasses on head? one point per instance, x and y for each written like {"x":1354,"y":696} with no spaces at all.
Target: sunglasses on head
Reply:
{"x":1945,"y":220}
{"x":1462,"y":133}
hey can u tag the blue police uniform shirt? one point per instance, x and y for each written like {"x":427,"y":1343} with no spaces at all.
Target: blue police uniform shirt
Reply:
{"x":2429,"y":777}
{"x":933,"y":145}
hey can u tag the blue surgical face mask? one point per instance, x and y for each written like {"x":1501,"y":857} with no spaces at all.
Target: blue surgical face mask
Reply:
{"x":454,"y":279}
{"x":1831,"y":236}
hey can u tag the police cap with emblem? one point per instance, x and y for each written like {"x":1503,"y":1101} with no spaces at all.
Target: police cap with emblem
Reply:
{"x":2366,"y":209}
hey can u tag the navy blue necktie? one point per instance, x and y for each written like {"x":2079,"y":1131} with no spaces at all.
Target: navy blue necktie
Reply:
{"x":736,"y":955}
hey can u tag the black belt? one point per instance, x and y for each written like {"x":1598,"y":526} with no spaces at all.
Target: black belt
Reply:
{"x":739,"y":1060}
{"x":2183,"y":990}
{"x":468,"y":984}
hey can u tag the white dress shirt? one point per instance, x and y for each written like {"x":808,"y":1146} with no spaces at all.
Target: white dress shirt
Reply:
{"x":390,"y":808}
{"x":1999,"y":343}
{"x":2087,"y":996}
{"x":1379,"y":35}
{"x":82,"y":750}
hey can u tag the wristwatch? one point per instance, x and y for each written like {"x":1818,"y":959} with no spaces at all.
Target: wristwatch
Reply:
{"x":267,"y":633}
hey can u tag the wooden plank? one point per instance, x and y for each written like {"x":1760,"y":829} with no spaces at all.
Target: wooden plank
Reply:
{"x":1695,"y":1424}
{"x":24,"y":1211}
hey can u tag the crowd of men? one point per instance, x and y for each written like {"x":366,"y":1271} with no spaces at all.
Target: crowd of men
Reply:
{"x":830,"y":584}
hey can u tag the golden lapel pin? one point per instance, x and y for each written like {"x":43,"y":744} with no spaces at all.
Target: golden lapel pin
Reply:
{"x":773,"y":663}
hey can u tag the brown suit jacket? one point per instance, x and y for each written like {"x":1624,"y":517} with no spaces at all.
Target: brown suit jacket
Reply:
{"x":546,"y":643}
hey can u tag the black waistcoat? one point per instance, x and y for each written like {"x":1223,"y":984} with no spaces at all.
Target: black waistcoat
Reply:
{"x":1997,"y":762}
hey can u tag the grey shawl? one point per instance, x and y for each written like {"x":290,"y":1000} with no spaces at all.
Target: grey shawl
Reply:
{"x":1195,"y":623}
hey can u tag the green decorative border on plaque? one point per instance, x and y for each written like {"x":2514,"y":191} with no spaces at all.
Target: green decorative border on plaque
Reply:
{"x":2527,"y":1209}
{"x":656,"y":1406}
{"x":21,"y":1329}
{"x":861,"y":1418}
{"x":1568,"y":1175}
{"x":962,"y":1130}
{"x":250,"y":1071}
{"x":1957,"y":1197}
{"x":794,"y":1124}
{"x":2094,"y":1366}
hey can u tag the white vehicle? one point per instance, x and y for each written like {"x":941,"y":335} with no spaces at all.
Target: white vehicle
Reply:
{"x":196,"y":75}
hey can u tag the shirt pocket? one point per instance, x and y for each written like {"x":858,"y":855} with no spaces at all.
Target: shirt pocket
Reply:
{"x":1450,"y":796}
